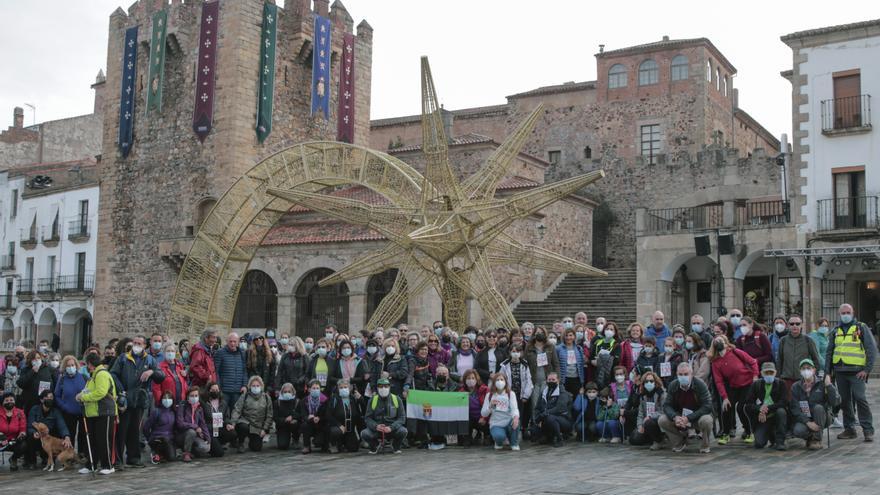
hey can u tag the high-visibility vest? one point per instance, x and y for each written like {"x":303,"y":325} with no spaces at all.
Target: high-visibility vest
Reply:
{"x":848,"y":347}
{"x":375,"y":401}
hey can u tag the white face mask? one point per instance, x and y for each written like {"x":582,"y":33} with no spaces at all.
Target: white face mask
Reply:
{"x":499,"y":384}
{"x":600,"y":327}
{"x":170,"y":356}
{"x":552,"y":340}
{"x":384,"y":391}
{"x":745,"y":330}
{"x":807,"y":374}
{"x":471,"y":382}
{"x":390,"y":350}
{"x":609,"y":334}
{"x":779,"y":327}
{"x":515,"y":355}
{"x":137,"y":350}
{"x":166,"y":403}
{"x":36,"y":363}
{"x":591,"y":395}
{"x":54,"y":364}
{"x":620,"y":378}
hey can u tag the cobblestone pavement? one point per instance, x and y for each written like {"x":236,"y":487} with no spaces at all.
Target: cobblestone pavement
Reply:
{"x":848,"y":467}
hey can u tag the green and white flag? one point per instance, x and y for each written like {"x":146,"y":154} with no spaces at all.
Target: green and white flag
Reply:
{"x":445,"y":412}
{"x":157,"y":61}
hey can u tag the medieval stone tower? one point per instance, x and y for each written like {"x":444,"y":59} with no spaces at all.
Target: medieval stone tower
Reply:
{"x":153,"y":200}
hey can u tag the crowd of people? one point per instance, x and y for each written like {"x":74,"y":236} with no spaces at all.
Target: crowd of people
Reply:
{"x":646,"y":385}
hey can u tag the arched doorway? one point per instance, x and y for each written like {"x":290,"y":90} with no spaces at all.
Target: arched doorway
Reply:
{"x":257,"y":305}
{"x":76,"y":331}
{"x":47,"y":326}
{"x":378,"y":286}
{"x":693,"y":289}
{"x":26,"y":326}
{"x":318,"y":306}
{"x":7,"y":332}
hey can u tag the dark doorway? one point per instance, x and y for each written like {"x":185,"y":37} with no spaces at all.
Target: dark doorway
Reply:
{"x":378,"y":286}
{"x":317,"y":307}
{"x":257,"y":305}
{"x":758,"y":298}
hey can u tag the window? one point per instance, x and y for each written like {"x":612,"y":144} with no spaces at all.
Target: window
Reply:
{"x":84,"y":211}
{"x":709,"y":71}
{"x":726,"y":83}
{"x":650,"y":143}
{"x":80,"y":270}
{"x":648,"y":73}
{"x":29,"y":270}
{"x":14,"y":209}
{"x":554,"y":157}
{"x":679,"y":68}
{"x":617,"y":76}
{"x":588,"y":152}
{"x":847,"y":100}
{"x":850,"y":205}
{"x":718,"y":79}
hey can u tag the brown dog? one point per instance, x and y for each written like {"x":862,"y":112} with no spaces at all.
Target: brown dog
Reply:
{"x":54,"y":448}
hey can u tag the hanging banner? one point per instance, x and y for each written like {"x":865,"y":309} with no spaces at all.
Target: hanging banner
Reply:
{"x":267,"y":72}
{"x":127,"y":96}
{"x":321,"y":67}
{"x":157,"y":61}
{"x":345,"y":113}
{"x":203,"y":113}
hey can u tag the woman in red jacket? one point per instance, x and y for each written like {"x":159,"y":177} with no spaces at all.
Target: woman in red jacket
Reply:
{"x":630,"y":346}
{"x":754,"y":342}
{"x":13,"y":427}
{"x":733,"y":371}
{"x":175,"y":377}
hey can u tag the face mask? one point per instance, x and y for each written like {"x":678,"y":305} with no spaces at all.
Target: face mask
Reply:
{"x":54,"y":364}
{"x":284,"y":341}
{"x":552,"y":340}
{"x":568,"y":325}
{"x":256,"y":390}
{"x":328,"y":336}
{"x":649,"y":350}
{"x":551,"y":386}
{"x":309,"y":346}
{"x":684,"y":381}
{"x":600,"y":327}
{"x":719,"y":346}
{"x":344,"y":393}
{"x":356,"y":342}
{"x":745,"y":330}
{"x":735,"y":320}
{"x":649,"y":386}
{"x":779,"y":327}
{"x":315,"y":393}
{"x":43,"y":349}
{"x":471,"y":336}
{"x":214,"y":394}
{"x":390,"y":350}
{"x":12,"y":369}
{"x":8,"y":405}
{"x":166,"y":403}
{"x":170,"y":356}
{"x":541,"y":337}
{"x":807,"y":374}
{"x":679,"y":340}
{"x":609,"y":334}
{"x":322,"y":351}
{"x":515,"y":355}
{"x":438,"y":331}
{"x":846,"y":319}
{"x":579,"y":335}
{"x":384,"y":391}
{"x":71,"y":370}
{"x":242,"y":346}
{"x":499,"y":384}
{"x":36,"y":363}
{"x":689,"y":346}
{"x":696,"y":327}
{"x":592,"y":395}
{"x":372,"y":349}
{"x":184,"y":354}
{"x":768,"y":379}
{"x":137,"y":350}
{"x":668,"y":349}
{"x":48,"y":403}
{"x":447,"y":339}
{"x":193,"y":400}
{"x":471,"y":382}
{"x":442,"y":378}
{"x":619,"y":378}
{"x":346,"y":352}
{"x":287,"y":396}
{"x":823,"y":330}
{"x":157,"y":346}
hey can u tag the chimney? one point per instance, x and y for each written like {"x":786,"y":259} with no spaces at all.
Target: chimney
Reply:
{"x":448,"y":119}
{"x":18,"y":118}
{"x":602,"y":48}
{"x":666,"y":38}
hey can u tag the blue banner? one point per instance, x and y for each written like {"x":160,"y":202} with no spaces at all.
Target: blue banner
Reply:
{"x":321,"y":67}
{"x":127,"y":97}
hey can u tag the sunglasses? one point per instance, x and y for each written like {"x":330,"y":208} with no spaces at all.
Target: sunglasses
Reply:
{"x":794,"y":323}
{"x":736,"y":315}
{"x":433,"y":341}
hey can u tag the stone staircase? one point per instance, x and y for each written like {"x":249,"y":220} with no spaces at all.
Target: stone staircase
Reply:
{"x":613,"y":297}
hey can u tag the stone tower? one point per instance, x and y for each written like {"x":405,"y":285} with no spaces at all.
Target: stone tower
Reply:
{"x":153,"y":200}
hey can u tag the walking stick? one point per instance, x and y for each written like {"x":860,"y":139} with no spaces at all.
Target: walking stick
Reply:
{"x":89,"y":446}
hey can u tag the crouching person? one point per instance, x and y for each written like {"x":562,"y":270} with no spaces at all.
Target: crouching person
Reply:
{"x":192,"y":433}
{"x":341,"y":417}
{"x":553,"y":413}
{"x":766,"y":408}
{"x":252,"y":416}
{"x":159,"y":430}
{"x":385,"y":418}
{"x":218,"y":413}
{"x":808,"y":406}
{"x":687,"y":405}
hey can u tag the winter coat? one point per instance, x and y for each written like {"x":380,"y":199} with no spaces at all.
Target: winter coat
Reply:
{"x":52,"y":419}
{"x":128,"y":370}
{"x":556,"y":404}
{"x":657,"y":397}
{"x":191,"y":418}
{"x":659,"y":334}
{"x":481,"y":362}
{"x":294,"y":369}
{"x":10,"y":381}
{"x":674,"y":360}
{"x":757,"y":392}
{"x":264,"y":370}
{"x":65,"y":393}
{"x":819,"y":394}
{"x":440,"y":356}
{"x":586,"y":410}
{"x":160,"y":424}
{"x":701,"y":366}
{"x":99,"y":395}
{"x":337,"y":413}
{"x":420,"y":374}
{"x":372,"y":371}
{"x":389,"y":411}
{"x":177,"y":387}
{"x":332,"y":372}
{"x":201,"y":365}
{"x":735,"y":369}
{"x":525,"y":377}
{"x":792,"y":350}
{"x":455,"y":373}
{"x":254,"y":411}
{"x":606,"y":412}
{"x":231,"y":370}
{"x":222,"y":407}
{"x":356,"y":380}
{"x":562,"y":357}
{"x":284,"y":408}
{"x":626,"y":355}
{"x":647,"y":362}
{"x":398,"y":369}
{"x":302,"y":408}
{"x":12,"y":427}
{"x":775,"y":339}
{"x":821,"y":342}
{"x":29,"y":383}
{"x":532,"y":360}
{"x":756,"y":345}
{"x":868,"y":344}
{"x":672,"y":406}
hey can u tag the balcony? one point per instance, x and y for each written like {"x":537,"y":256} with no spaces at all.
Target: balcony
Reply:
{"x":8,"y":304}
{"x":50,"y":236}
{"x":78,"y":284}
{"x":28,"y":238}
{"x":848,"y":115}
{"x":7,"y":262}
{"x":46,"y":287}
{"x":708,"y":217}
{"x":79,"y":230}
{"x":762,"y":213}
{"x":25,"y":289}
{"x":848,"y":213}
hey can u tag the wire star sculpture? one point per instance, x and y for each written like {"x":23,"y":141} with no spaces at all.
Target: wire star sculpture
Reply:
{"x":455,"y":233}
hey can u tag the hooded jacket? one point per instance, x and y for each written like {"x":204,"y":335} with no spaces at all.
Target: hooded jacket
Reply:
{"x":792,"y":350}
{"x":128,"y":370}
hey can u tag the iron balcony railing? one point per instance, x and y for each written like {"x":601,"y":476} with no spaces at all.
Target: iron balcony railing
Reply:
{"x":7,"y":262}
{"x":50,"y":234}
{"x":8,"y":302}
{"x":79,"y":228}
{"x":860,"y":212}
{"x":851,"y":112}
{"x":26,"y":286}
{"x":81,"y":282}
{"x":672,"y":220}
{"x":29,"y":236}
{"x":46,"y":285}
{"x":763,"y":213}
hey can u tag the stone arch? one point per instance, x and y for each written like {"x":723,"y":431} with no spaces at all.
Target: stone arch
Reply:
{"x":668,"y":273}
{"x":257,"y":305}
{"x":209,"y":281}
{"x":76,"y":331}
{"x":319,"y":306}
{"x":7,"y":331}
{"x":47,"y":325}
{"x":26,"y":325}
{"x":202,"y":210}
{"x":742,"y":268}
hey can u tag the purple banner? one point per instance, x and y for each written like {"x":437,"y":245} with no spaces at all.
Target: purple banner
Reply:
{"x":345,"y":126}
{"x":203,"y":111}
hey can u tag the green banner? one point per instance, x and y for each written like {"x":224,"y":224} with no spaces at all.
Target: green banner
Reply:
{"x":267,"y":72}
{"x":157,"y":61}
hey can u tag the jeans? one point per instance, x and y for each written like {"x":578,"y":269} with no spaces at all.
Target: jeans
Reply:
{"x":852,"y":389}
{"x":775,"y":427}
{"x":499,"y":433}
{"x":554,"y":427}
{"x":128,"y":436}
{"x":255,"y":441}
{"x":372,"y":437}
{"x":608,"y":429}
{"x":820,"y":417}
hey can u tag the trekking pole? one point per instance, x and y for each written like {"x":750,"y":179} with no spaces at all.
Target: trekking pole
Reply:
{"x":89,"y":446}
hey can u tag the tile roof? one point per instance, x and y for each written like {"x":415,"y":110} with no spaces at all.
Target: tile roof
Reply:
{"x":462,"y":113}
{"x":831,"y":29}
{"x":456,"y":141}
{"x":557,"y":88}
{"x":319,"y":232}
{"x":359,"y":193}
{"x":516,"y":183}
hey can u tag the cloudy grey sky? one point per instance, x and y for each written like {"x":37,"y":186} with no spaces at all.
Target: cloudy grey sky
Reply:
{"x":480,"y":50}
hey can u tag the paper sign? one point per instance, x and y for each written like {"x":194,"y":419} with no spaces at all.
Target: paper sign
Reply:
{"x":650,"y":409}
{"x":805,"y":407}
{"x":621,"y":403}
{"x":542,"y":359}
{"x":686,"y":412}
{"x":322,"y":378}
{"x":43,"y":386}
{"x":217,"y":422}
{"x":665,"y":369}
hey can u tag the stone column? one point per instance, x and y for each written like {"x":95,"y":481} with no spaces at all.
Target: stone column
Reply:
{"x":286,"y":314}
{"x":357,"y":311}
{"x":662,"y":299}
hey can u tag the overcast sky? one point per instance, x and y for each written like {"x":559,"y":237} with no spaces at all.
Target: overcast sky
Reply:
{"x":480,"y":50}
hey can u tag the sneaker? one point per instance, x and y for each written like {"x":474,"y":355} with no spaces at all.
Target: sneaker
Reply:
{"x":705,"y":450}
{"x":374,"y":450}
{"x":781,"y":447}
{"x":837,"y":425}
{"x":84,"y":470}
{"x":135,"y":464}
{"x":108,"y":471}
{"x":240,"y":449}
{"x":869,"y":436}
{"x":723,"y":439}
{"x":749,"y":439}
{"x":655,"y":446}
{"x":498,"y":447}
{"x":847,"y":434}
{"x":187,"y":457}
{"x":514,"y":448}
{"x":603,"y":440}
{"x":155,"y":459}
{"x":397,"y":450}
{"x":680,"y":447}
{"x":557,"y":442}
{"x":615,"y":440}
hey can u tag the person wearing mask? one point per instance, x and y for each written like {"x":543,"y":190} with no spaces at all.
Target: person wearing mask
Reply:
{"x":35,"y":377}
{"x":252,"y":416}
{"x":157,"y":343}
{"x":175,"y":377}
{"x":342,"y":415}
{"x":13,"y":430}
{"x":489,"y":359}
{"x":607,"y":419}
{"x":766,"y":406}
{"x":286,"y":417}
{"x":191,"y":430}
{"x":99,"y":406}
{"x":135,"y":372}
{"x":722,"y":327}
{"x":669,"y":360}
{"x":420,"y":369}
{"x":310,"y":412}
{"x":229,"y":362}
{"x":678,"y":334}
{"x":323,"y":367}
{"x":542,"y":360}
{"x":733,"y":371}
{"x":527,"y":329}
{"x":516,"y":372}
{"x":794,"y":348}
{"x":476,"y":390}
{"x":687,"y":405}
{"x":158,"y":430}
{"x":109,"y":356}
{"x":385,"y":418}
{"x":501,"y":410}
{"x":408,"y":346}
{"x":697,"y":358}
{"x":849,"y":360}
{"x":219,"y":415}
{"x":658,"y":328}
{"x":553,"y":413}
{"x":734,"y":317}
{"x":631,"y":346}
{"x":10,"y":376}
{"x":260,"y":361}
{"x":397,"y":368}
{"x":201,"y":360}
{"x":47,"y":413}
{"x":462,"y":360}
{"x":698,"y":327}
{"x":309,"y":345}
{"x":283,"y":343}
{"x":43,"y":347}
{"x":571,"y":362}
{"x":586,"y":405}
{"x":373,"y":365}
{"x":351,"y":367}
{"x":605,"y":354}
{"x":650,"y":408}
{"x":753,"y":341}
{"x":437,"y":354}
{"x":294,"y":366}
{"x":184,"y":347}
{"x":621,"y":390}
{"x":68,"y":386}
{"x":820,"y":338}
{"x":779,"y":331}
{"x":55,"y":367}
{"x":810,"y":406}
{"x":648,"y":360}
